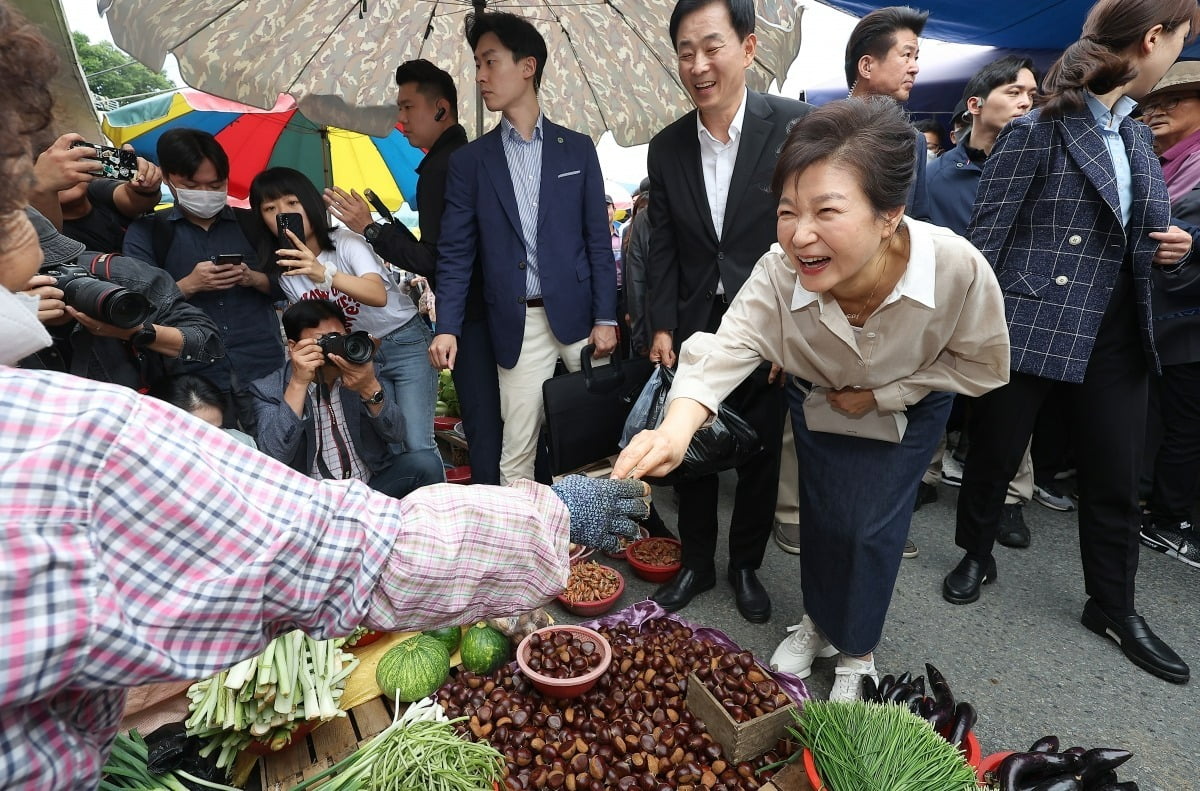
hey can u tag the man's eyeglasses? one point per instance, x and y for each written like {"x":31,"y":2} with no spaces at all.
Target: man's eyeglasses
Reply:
{"x":1166,"y":104}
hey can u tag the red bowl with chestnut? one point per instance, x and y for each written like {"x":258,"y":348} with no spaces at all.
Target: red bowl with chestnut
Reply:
{"x":564,"y":661}
{"x":655,"y":559}
{"x":592,"y":589}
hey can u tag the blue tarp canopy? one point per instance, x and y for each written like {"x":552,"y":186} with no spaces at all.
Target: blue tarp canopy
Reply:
{"x":1016,"y":24}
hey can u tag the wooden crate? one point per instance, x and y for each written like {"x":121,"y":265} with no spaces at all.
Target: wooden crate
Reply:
{"x":790,"y":778}
{"x":324,"y":747}
{"x":741,"y":741}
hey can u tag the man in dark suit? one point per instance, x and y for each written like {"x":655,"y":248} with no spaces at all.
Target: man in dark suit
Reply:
{"x":427,"y":103}
{"x":712,"y":218}
{"x":528,"y":199}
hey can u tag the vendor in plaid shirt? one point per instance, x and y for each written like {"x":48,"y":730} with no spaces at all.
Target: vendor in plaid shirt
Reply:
{"x":139,"y":544}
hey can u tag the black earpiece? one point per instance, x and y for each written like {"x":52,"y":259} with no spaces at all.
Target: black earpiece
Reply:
{"x":440,"y":114}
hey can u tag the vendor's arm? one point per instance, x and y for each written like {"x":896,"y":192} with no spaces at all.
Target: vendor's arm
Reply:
{"x":975,"y":360}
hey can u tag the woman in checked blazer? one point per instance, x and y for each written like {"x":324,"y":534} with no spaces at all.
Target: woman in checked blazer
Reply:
{"x":1072,"y":212}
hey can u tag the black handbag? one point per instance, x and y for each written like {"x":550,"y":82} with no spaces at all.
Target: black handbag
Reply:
{"x":586,"y":410}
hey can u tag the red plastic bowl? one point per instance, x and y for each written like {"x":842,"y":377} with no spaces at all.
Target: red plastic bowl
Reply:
{"x":653,"y":573}
{"x":972,"y":750}
{"x":581,"y":553}
{"x":460,"y":474}
{"x":445,"y":423}
{"x":591,"y":608}
{"x":990,"y":764}
{"x":369,"y":637}
{"x":566,"y":687}
{"x":642,"y":533}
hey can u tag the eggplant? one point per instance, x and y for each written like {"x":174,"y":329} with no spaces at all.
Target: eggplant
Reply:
{"x":1094,"y":764}
{"x":941,"y":718}
{"x":926,"y":707}
{"x":869,"y":689}
{"x":1066,"y":782}
{"x":1075,"y":751}
{"x":1020,"y":771}
{"x":913,"y":701}
{"x":918,"y":684}
{"x":1046,"y":744}
{"x":904,"y":678}
{"x":898,"y":692}
{"x":885,"y":684}
{"x":938,"y":686}
{"x":1128,"y":785}
{"x":965,"y":718}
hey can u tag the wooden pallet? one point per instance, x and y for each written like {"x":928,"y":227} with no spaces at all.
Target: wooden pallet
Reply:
{"x":324,"y":747}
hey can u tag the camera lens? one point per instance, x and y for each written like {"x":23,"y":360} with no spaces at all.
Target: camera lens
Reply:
{"x":358,"y":347}
{"x":109,"y":303}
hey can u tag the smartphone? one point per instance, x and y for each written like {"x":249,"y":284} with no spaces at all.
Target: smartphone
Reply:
{"x":289,"y":221}
{"x":115,"y":163}
{"x":378,"y":205}
{"x":228,"y":259}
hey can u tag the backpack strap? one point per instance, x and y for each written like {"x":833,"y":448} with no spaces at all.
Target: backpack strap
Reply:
{"x":162,"y":233}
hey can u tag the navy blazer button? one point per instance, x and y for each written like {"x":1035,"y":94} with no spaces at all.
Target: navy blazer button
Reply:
{"x":720,"y":256}
{"x":1075,"y":239}
{"x":1061,"y":280}
{"x":521,"y":265}
{"x":708,"y":295}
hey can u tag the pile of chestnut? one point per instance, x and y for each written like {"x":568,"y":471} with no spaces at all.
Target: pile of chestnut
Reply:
{"x":562,"y":655}
{"x":633,"y":730}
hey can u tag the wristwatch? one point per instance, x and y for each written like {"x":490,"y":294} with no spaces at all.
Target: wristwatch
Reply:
{"x":144,"y":337}
{"x":371,"y":232}
{"x":377,"y":398}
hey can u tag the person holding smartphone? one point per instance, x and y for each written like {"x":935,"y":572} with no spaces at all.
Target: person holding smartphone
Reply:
{"x":315,"y":261}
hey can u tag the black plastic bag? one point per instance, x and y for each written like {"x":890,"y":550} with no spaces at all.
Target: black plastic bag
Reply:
{"x":727,"y":443}
{"x":170,"y":749}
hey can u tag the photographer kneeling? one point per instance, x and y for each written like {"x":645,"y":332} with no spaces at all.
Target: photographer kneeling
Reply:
{"x":113,"y":318}
{"x":325,"y":414}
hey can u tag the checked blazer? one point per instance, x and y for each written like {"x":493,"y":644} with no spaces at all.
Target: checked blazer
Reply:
{"x":1048,"y":218}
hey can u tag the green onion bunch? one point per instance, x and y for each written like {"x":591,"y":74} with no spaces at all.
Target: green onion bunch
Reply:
{"x":862,"y":746}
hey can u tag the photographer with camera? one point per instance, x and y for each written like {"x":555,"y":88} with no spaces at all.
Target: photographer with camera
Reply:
{"x":326,"y":414}
{"x":113,"y":318}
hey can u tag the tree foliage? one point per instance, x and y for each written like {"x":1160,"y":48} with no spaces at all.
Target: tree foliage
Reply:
{"x":100,"y":60}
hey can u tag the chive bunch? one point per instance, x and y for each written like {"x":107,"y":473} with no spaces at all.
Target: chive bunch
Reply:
{"x":861,"y":746}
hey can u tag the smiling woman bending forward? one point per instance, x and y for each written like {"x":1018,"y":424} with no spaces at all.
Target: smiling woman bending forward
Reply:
{"x":877,"y":318}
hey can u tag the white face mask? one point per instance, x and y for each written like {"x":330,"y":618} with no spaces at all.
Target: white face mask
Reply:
{"x":202,"y":203}
{"x":930,"y":155}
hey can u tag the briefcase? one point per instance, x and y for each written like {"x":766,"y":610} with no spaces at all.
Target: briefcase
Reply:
{"x":586,"y":410}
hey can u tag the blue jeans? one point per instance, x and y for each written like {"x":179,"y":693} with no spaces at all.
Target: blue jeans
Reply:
{"x":408,"y":472}
{"x":410,"y":380}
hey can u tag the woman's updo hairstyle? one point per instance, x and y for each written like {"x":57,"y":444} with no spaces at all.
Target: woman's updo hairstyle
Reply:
{"x":870,"y":136}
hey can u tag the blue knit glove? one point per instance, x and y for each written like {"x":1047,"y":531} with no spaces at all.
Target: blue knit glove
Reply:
{"x":602,"y":510}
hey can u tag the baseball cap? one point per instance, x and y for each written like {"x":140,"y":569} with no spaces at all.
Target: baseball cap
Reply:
{"x":56,"y":248}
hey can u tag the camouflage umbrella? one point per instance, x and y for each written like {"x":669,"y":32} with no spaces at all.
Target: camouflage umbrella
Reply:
{"x":611,"y":64}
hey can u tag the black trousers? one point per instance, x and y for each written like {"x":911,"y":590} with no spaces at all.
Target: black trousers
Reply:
{"x":478,"y":390}
{"x":1108,"y":418}
{"x":763,"y":406}
{"x":1177,"y":464}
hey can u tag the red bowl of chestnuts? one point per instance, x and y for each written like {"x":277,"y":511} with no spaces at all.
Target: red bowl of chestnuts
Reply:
{"x":655,"y":559}
{"x":564,"y":661}
{"x":592,"y":589}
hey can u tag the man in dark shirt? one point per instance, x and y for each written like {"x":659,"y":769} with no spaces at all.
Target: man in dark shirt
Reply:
{"x":186,"y":239}
{"x":92,"y":210}
{"x":427,"y":105}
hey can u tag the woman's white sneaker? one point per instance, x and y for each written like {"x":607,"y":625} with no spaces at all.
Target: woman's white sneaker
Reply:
{"x":798,"y":650}
{"x":848,"y":676}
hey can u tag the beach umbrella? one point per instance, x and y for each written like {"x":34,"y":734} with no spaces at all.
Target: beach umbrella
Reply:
{"x":256,"y":139}
{"x":611,"y":63}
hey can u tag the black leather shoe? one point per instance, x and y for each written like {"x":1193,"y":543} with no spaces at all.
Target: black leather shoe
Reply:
{"x":686,"y":585}
{"x":961,"y":586}
{"x":926,"y":494}
{"x":1013,"y":531}
{"x":752,"y":600}
{"x":1137,"y":642}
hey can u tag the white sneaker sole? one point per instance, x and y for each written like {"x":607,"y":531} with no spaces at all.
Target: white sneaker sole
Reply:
{"x":828,"y":652}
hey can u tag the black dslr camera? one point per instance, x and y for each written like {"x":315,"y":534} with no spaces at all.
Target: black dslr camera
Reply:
{"x":357,"y":347}
{"x":86,"y":292}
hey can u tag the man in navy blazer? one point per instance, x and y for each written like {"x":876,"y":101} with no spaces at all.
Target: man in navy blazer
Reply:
{"x":528,"y":199}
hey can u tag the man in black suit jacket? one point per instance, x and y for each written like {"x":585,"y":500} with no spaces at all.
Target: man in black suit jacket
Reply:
{"x":712,"y":218}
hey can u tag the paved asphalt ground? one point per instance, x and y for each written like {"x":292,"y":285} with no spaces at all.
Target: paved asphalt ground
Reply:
{"x":1019,"y":654}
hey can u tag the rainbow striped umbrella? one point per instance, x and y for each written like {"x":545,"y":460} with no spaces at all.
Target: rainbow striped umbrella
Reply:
{"x":256,"y":139}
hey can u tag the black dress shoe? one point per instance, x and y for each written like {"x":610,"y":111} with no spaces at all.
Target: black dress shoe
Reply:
{"x":686,"y":585}
{"x":752,"y":600}
{"x":926,"y":494}
{"x":1013,"y":531}
{"x":1137,"y":642}
{"x":961,"y":586}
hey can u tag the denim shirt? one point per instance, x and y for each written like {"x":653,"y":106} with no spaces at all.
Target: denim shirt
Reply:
{"x":244,"y":316}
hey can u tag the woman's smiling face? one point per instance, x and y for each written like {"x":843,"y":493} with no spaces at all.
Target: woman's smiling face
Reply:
{"x":829,"y":229}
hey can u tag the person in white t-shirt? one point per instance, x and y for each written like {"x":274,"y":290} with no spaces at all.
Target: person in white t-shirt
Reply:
{"x":338,"y":264}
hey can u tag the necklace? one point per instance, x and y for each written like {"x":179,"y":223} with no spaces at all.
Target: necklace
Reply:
{"x":878,"y":278}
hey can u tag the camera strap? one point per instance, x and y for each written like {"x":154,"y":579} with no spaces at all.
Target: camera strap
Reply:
{"x":101,"y":266}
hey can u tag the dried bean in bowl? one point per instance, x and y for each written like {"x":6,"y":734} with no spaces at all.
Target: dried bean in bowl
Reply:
{"x":590,"y":582}
{"x":656,"y":552}
{"x":562,"y":654}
